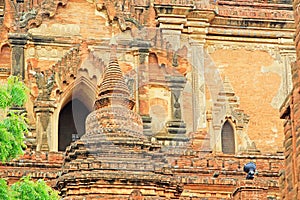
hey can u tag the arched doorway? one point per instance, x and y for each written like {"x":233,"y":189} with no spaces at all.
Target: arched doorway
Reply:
{"x":71,"y":123}
{"x":228,"y":142}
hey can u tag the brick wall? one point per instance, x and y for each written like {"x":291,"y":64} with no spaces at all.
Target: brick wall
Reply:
{"x":79,"y":21}
{"x":201,"y":175}
{"x":256,"y":82}
{"x":249,"y":190}
{"x":290,"y":112}
{"x":38,"y":165}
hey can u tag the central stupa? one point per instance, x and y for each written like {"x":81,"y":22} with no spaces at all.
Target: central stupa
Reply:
{"x":113,"y":159}
{"x":113,"y":117}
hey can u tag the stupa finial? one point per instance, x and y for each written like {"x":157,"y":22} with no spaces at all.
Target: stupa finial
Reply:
{"x":113,"y":40}
{"x":113,"y":48}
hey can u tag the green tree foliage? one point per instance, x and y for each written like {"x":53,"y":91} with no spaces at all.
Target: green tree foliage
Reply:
{"x":13,"y":94}
{"x":13,"y":126}
{"x":12,"y":130}
{"x":26,"y":189}
{"x":4,"y":190}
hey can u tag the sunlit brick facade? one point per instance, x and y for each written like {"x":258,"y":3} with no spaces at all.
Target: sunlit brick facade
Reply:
{"x":206,"y":79}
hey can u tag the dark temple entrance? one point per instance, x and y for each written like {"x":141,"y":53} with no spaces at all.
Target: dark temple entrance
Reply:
{"x":71,"y":123}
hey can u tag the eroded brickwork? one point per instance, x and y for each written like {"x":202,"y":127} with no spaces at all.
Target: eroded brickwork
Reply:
{"x":200,"y":175}
{"x":289,"y":112}
{"x":37,"y":165}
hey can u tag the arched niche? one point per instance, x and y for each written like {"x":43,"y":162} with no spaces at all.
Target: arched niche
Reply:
{"x":5,"y":55}
{"x":158,"y":113}
{"x":227,"y":138}
{"x":74,"y":109}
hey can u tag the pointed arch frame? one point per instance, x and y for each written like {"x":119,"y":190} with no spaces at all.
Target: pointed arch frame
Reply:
{"x":82,"y":83}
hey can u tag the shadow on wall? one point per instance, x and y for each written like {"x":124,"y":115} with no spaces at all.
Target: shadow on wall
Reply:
{"x":71,"y":123}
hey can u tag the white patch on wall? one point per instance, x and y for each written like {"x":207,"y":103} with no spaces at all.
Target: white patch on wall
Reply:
{"x":222,"y":67}
{"x":274,"y":129}
{"x":277,"y":68}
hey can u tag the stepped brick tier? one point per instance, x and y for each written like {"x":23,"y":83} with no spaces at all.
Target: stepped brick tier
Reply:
{"x":95,"y":168}
{"x":198,"y":176}
{"x":37,"y":165}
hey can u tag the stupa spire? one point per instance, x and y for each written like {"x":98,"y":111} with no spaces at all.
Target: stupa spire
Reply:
{"x":113,"y":48}
{"x":113,"y":89}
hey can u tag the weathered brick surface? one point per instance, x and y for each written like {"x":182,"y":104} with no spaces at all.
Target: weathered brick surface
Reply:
{"x":37,"y":165}
{"x":194,"y":171}
{"x":256,"y":90}
{"x":71,"y":25}
{"x":257,"y":33}
{"x":290,"y":112}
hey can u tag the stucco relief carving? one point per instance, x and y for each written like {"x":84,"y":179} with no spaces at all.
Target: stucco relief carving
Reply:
{"x":256,"y":13}
{"x":44,"y":119}
{"x":25,"y":17}
{"x":62,"y":30}
{"x":67,"y":67}
{"x":45,"y":52}
{"x":118,"y":11}
{"x":33,"y":14}
{"x":93,"y":66}
{"x":130,"y":81}
{"x":45,"y":83}
{"x":251,"y":47}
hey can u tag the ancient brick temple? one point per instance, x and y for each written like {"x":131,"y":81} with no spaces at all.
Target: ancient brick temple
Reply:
{"x":289,"y":112}
{"x":156,"y":99}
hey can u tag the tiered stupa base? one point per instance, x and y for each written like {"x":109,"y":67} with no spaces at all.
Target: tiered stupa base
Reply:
{"x":113,"y":159}
{"x":99,"y":169}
